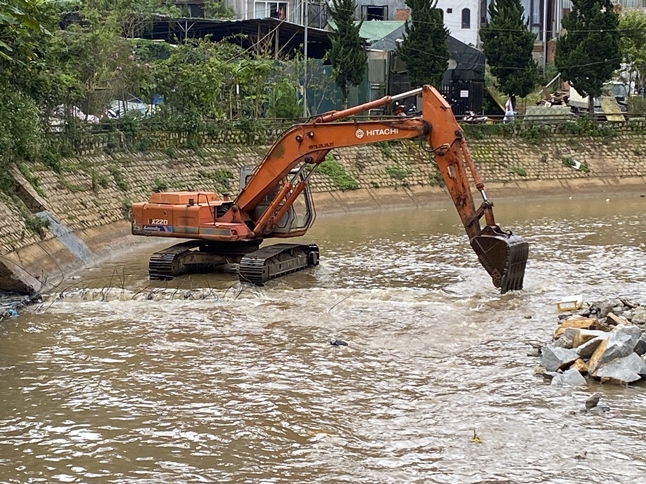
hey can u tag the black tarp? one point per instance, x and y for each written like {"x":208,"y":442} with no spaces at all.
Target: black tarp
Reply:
{"x":468,"y":62}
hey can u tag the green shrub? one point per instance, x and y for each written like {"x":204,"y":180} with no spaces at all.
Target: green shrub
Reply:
{"x":535,"y":133}
{"x":130,"y":124}
{"x":103,"y":180}
{"x":143,"y":144}
{"x":222,"y":177}
{"x":397,"y":172}
{"x":636,"y":105}
{"x":518,"y":170}
{"x":121,"y":182}
{"x":21,"y":135}
{"x":37,"y":225}
{"x":386,"y":149}
{"x":283,"y":101}
{"x":159,"y":185}
{"x":334,"y":170}
{"x":584,"y":126}
{"x":99,"y":180}
{"x":31,"y":178}
{"x":52,"y":159}
{"x":170,"y":152}
{"x":7,"y":183}
{"x":126,"y":206}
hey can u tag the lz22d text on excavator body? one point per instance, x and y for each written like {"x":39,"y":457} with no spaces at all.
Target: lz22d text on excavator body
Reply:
{"x":275,"y":202}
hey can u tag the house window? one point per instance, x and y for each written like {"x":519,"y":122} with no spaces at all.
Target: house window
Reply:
{"x":466,"y":18}
{"x":270,"y":9}
{"x":449,"y":10}
{"x":536,"y":12}
{"x":374,"y":12}
{"x":441,"y":13}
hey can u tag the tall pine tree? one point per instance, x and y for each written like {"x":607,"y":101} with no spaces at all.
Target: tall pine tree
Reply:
{"x":425,"y":46}
{"x":507,"y":44}
{"x":588,"y":52}
{"x":347,"y":54}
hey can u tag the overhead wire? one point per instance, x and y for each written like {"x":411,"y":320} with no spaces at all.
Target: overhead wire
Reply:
{"x":514,"y":67}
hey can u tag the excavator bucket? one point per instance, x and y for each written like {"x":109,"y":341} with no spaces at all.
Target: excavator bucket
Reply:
{"x":504,"y":256}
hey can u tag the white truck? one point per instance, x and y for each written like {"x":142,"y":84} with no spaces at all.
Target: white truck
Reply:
{"x":613,"y":89}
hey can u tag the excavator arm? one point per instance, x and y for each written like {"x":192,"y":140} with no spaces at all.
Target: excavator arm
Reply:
{"x":503,"y":254}
{"x":223,"y":231}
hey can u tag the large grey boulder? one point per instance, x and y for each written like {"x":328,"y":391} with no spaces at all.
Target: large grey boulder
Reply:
{"x":639,"y":316}
{"x":582,"y":336}
{"x":555,"y":358}
{"x":622,"y":370}
{"x":640,"y":347}
{"x":586,"y":350}
{"x":566,"y":339}
{"x":620,"y":343}
{"x":572,"y":377}
{"x":612,"y":305}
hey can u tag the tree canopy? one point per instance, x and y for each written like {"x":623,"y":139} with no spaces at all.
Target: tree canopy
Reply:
{"x":587,"y":54}
{"x":49,"y":73}
{"x":425,"y":44}
{"x":632,"y":31}
{"x":508,"y":44}
{"x":347,"y":55}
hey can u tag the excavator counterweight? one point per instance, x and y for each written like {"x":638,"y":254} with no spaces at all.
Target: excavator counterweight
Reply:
{"x":275,"y":201}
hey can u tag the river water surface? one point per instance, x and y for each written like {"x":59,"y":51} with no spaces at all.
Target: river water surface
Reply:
{"x":118,"y":379}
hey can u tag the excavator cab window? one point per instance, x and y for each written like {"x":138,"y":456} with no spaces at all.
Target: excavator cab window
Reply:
{"x":220,"y":210}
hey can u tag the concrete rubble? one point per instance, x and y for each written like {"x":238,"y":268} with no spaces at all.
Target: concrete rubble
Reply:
{"x":603,"y":341}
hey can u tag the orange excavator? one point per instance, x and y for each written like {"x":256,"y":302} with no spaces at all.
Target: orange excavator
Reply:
{"x":275,"y":201}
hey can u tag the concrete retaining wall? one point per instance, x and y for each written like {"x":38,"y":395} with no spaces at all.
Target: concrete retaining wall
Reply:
{"x":92,"y":192}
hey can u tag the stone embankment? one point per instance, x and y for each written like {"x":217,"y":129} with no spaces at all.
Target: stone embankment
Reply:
{"x":86,"y":202}
{"x":603,"y":341}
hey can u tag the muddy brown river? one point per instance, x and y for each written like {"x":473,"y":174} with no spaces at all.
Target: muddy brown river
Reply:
{"x":118,"y":379}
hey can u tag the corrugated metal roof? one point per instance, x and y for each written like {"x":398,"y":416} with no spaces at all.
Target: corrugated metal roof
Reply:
{"x":290,"y":35}
{"x":374,"y":30}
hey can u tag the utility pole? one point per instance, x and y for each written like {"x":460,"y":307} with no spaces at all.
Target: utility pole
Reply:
{"x":305,"y":59}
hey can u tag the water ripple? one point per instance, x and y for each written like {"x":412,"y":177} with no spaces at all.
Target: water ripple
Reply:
{"x":223,"y":383}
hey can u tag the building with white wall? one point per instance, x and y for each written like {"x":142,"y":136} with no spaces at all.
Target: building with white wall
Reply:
{"x":462,"y":19}
{"x":289,"y":10}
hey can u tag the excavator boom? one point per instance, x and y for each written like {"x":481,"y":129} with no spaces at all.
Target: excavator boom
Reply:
{"x":264,"y":206}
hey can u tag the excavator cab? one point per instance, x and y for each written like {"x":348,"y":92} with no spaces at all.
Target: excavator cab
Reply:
{"x":300,"y":214}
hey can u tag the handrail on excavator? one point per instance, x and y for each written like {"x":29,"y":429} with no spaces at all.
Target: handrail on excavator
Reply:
{"x":377,"y":103}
